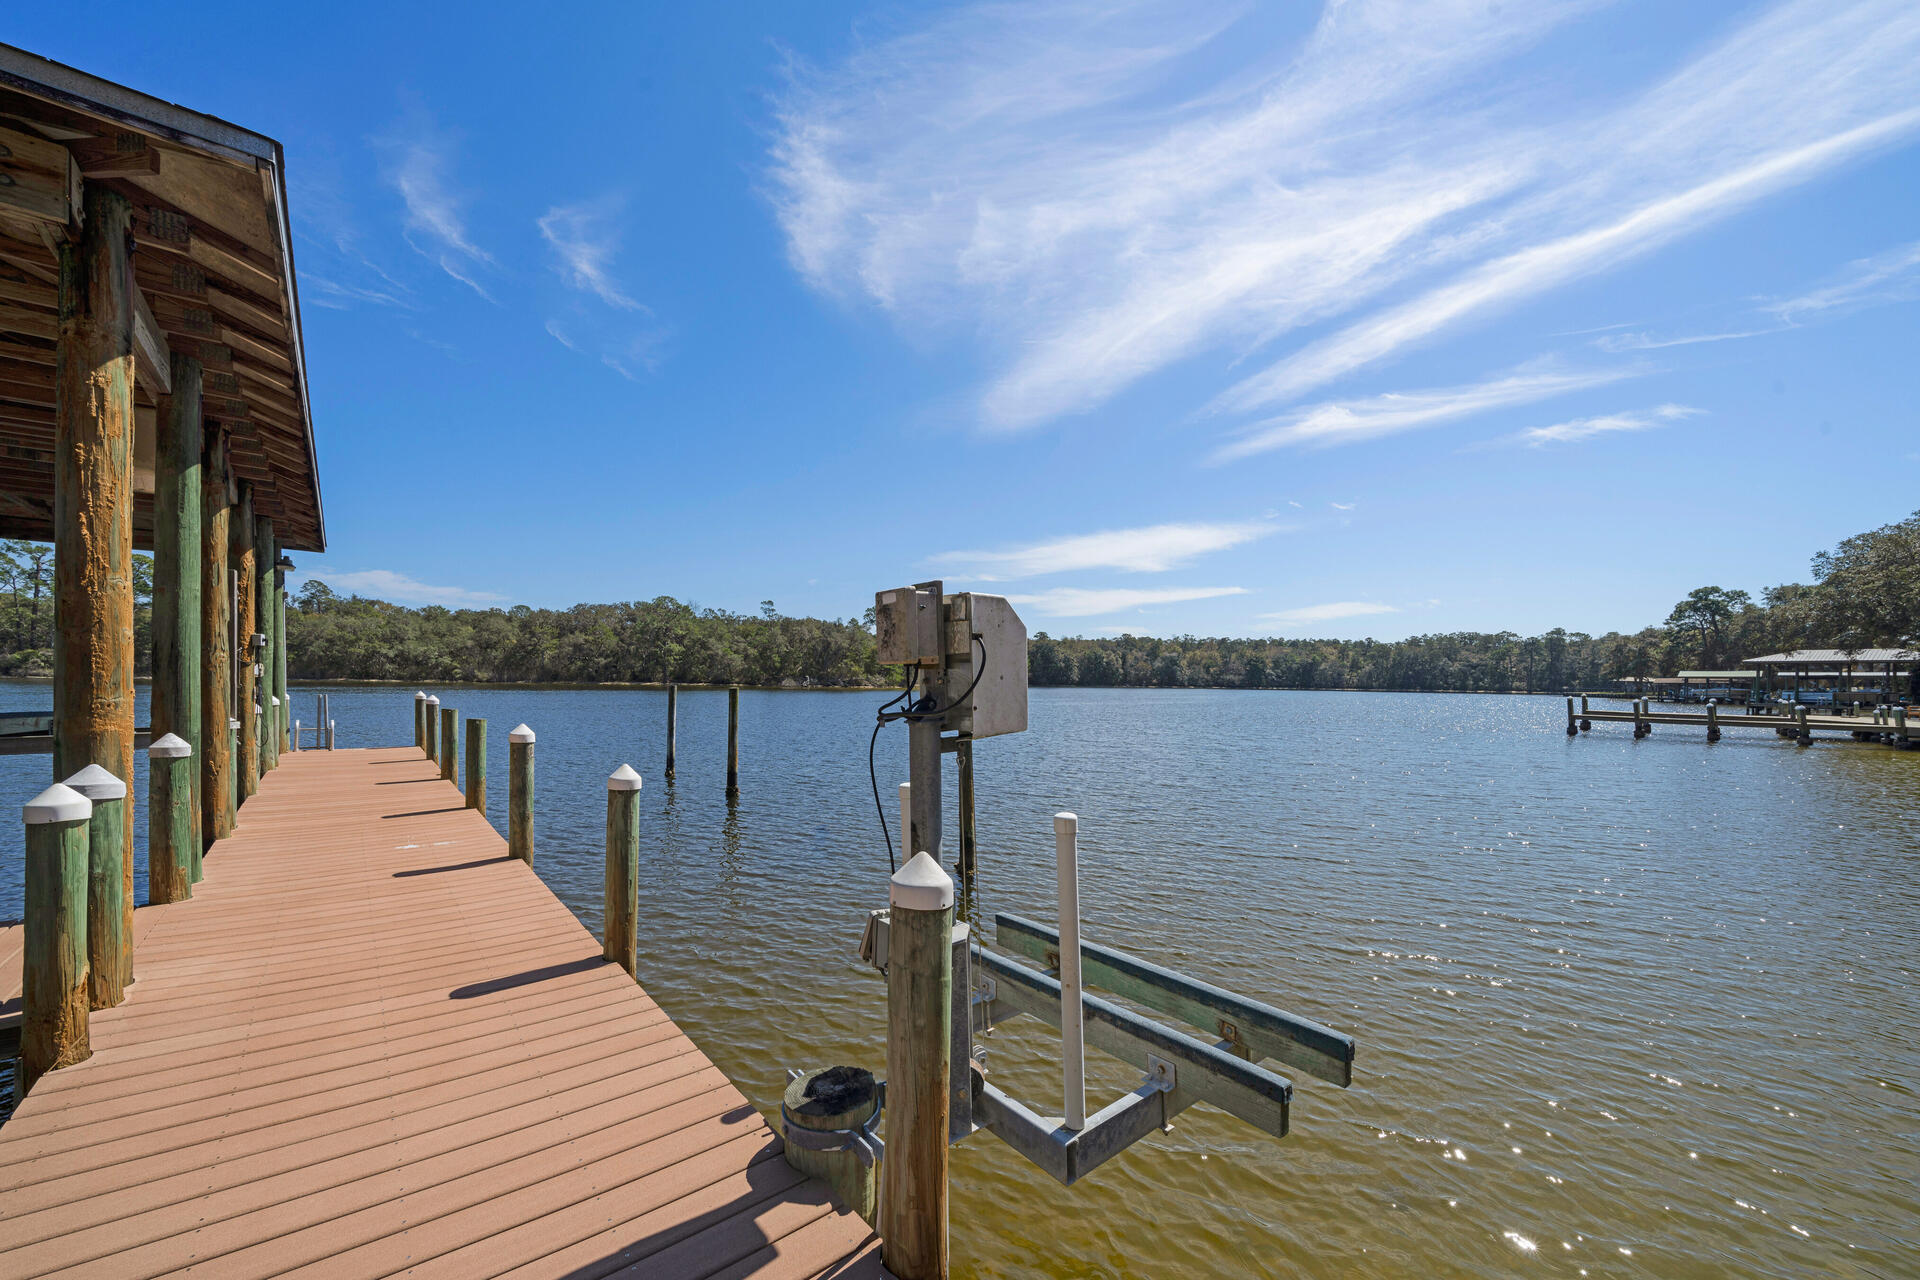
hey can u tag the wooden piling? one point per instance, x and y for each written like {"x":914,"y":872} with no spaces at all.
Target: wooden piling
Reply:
{"x":53,"y":977}
{"x":93,"y":500}
{"x":265,"y":553}
{"x":449,"y":742}
{"x":216,"y":625}
{"x":673,"y":722}
{"x":733,"y":742}
{"x":175,"y":703}
{"x":420,"y":721}
{"x":520,"y":794}
{"x":109,"y":940}
{"x":963,"y":767}
{"x":913,"y":1209}
{"x":280,"y":654}
{"x":246,"y":686}
{"x":836,"y":1099}
{"x":623,"y":869}
{"x":171,"y":828}
{"x":1802,"y":733}
{"x":432,"y":743}
{"x":476,"y":764}
{"x":1573,"y":723}
{"x":1713,"y":722}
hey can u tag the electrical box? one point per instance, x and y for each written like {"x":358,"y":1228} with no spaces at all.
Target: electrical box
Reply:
{"x":906,"y":626}
{"x":998,"y":703}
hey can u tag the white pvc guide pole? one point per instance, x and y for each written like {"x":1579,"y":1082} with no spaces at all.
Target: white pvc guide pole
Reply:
{"x":1073,"y":1047}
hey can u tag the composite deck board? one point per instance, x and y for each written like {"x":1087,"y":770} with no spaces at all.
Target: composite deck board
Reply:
{"x":372,"y":1045}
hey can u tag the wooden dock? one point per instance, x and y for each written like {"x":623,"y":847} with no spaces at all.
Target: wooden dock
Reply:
{"x":373,"y":1044}
{"x":1903,"y":733}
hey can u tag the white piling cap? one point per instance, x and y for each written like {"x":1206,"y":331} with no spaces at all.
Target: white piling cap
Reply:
{"x":233,"y":724}
{"x":96,"y":783}
{"x":433,"y":700}
{"x":419,"y":697}
{"x":921,"y":885}
{"x":1065,"y":822}
{"x":58,"y":803}
{"x":276,"y":700}
{"x":169,"y":747}
{"x":520,"y":734}
{"x":624,"y":779}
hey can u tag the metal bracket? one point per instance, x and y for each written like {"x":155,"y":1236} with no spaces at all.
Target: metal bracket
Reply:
{"x":1161,"y":1074}
{"x":865,"y":1142}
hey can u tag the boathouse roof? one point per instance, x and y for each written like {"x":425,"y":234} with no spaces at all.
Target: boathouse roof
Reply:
{"x":1833,"y":657}
{"x":1718,"y":675}
{"x":213,"y":262}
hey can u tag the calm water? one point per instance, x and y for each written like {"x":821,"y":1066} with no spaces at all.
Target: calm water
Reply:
{"x":1622,"y":1008}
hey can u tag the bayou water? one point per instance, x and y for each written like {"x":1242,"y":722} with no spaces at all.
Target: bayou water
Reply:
{"x":1622,"y":1008}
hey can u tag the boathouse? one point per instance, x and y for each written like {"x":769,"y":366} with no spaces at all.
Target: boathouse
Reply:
{"x":1840,"y":677}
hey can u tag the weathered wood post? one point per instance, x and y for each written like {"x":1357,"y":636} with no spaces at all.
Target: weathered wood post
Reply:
{"x":520,"y":794}
{"x":623,"y":869}
{"x":171,"y":829}
{"x":433,"y":727}
{"x":177,"y":661}
{"x":1801,"y":732}
{"x":913,"y":1209}
{"x":833,"y":1101}
{"x":53,"y":978}
{"x":264,"y":555}
{"x":109,"y":941}
{"x":1641,"y":728}
{"x":1073,"y":1042}
{"x":420,"y":721}
{"x":1573,"y":726}
{"x":673,"y":722}
{"x":93,"y":500}
{"x":963,"y":765}
{"x":281,"y":565}
{"x":1900,"y":728}
{"x":233,"y":748}
{"x":476,"y":764}
{"x":246,"y":687}
{"x":216,"y":626}
{"x":1585,"y":723}
{"x":1713,"y":720}
{"x":449,"y":742}
{"x":733,"y":742}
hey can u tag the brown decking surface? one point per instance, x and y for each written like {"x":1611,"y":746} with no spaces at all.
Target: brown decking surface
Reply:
{"x":374,"y":1045}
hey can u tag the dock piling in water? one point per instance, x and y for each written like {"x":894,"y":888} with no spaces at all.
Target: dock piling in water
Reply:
{"x":520,"y":794}
{"x":838,"y":1103}
{"x":171,"y":827}
{"x":54,"y":978}
{"x":913,"y":1207}
{"x":733,"y":742}
{"x":476,"y":764}
{"x":673,"y":721}
{"x":1573,"y":726}
{"x":109,"y":941}
{"x":623,"y":869}
{"x":449,"y":742}
{"x":1713,"y":721}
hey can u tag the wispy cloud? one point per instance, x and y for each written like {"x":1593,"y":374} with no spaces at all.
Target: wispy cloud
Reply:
{"x":586,"y":237}
{"x":1307,"y":615}
{"x":1083,"y":602}
{"x":385,"y":584}
{"x":1647,"y":342}
{"x":1345,"y":421}
{"x":1887,"y":277}
{"x":1577,"y":429}
{"x":1111,"y":192}
{"x":418,"y":159}
{"x":1154,"y":549}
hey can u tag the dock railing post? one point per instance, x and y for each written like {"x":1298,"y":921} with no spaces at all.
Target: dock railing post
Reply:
{"x":420,"y":721}
{"x":109,"y":942}
{"x":733,"y":742}
{"x":171,"y":828}
{"x":673,"y":725}
{"x":1713,"y":720}
{"x":520,"y":794}
{"x":449,"y":742}
{"x":834,"y":1101}
{"x":476,"y":764}
{"x":53,"y":963}
{"x":431,"y":744}
{"x":1073,"y":1045}
{"x":623,"y":869}
{"x":913,"y":1206}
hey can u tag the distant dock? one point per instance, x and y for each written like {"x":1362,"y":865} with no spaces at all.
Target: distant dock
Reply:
{"x":1891,"y":725}
{"x":372,"y":1042}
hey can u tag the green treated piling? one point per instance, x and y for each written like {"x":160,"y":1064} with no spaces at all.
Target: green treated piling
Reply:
{"x":476,"y":764}
{"x":449,"y":742}
{"x":53,"y":964}
{"x":834,"y":1100}
{"x":913,"y":1202}
{"x":520,"y":794}
{"x":171,"y":836}
{"x":432,"y":743}
{"x":419,"y":722}
{"x":109,"y":958}
{"x":623,"y":868}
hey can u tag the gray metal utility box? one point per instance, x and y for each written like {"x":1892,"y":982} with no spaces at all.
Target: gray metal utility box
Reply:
{"x":998,"y":703}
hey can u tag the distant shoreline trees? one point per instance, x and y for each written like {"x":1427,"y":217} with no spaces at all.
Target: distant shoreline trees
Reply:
{"x":1865,"y":593}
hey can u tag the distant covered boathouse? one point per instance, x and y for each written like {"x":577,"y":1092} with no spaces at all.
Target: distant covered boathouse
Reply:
{"x":1839,"y":677}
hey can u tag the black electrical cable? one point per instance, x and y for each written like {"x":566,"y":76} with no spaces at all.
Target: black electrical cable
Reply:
{"x":883,"y":717}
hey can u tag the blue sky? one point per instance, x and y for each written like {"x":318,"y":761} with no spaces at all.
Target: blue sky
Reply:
{"x":1366,"y":319}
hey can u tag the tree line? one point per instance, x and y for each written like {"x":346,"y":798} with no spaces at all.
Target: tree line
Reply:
{"x":1865,"y":593}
